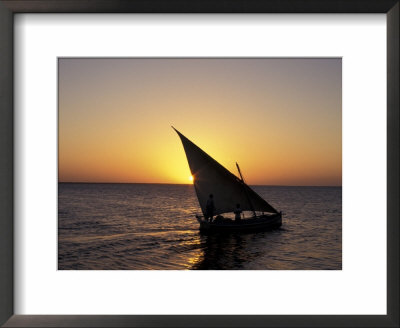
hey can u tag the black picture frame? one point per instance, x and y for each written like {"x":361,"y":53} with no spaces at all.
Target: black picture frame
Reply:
{"x":10,"y":7}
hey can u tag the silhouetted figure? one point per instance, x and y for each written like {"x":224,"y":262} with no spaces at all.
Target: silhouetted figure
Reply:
{"x":210,"y":208}
{"x":238,"y":212}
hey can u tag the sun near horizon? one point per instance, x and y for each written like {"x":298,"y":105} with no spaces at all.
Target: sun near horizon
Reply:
{"x":280,"y":119}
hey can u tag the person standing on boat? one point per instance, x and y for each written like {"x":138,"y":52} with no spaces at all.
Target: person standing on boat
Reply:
{"x":238,"y":212}
{"x":210,"y":208}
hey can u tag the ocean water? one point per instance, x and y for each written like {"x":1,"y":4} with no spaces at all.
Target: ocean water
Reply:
{"x":153,"y":226}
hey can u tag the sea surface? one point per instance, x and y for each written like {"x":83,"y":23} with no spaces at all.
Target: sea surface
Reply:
{"x":153,"y":227}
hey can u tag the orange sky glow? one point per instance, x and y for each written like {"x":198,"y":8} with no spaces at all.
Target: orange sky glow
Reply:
{"x":280,"y":119}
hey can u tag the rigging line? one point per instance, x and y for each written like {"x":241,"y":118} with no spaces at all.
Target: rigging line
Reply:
{"x":245,"y":190}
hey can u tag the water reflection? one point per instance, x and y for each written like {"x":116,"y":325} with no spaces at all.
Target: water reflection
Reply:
{"x":143,"y":227}
{"x":230,"y":251}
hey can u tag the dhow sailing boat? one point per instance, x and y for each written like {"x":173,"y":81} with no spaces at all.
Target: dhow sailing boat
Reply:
{"x":228,"y":193}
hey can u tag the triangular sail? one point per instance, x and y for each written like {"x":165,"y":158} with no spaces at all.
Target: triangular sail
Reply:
{"x":210,"y":177}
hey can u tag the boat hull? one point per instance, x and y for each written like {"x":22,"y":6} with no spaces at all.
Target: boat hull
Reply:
{"x":259,"y":223}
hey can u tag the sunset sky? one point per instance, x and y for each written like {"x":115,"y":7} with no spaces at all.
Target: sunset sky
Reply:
{"x":280,"y":119}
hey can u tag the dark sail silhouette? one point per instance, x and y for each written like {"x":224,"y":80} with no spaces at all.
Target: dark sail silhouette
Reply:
{"x":210,"y":177}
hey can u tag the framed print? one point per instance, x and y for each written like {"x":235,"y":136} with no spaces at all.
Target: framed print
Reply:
{"x":105,"y":206}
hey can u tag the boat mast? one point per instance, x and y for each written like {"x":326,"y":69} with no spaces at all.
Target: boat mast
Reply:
{"x":247,"y":196}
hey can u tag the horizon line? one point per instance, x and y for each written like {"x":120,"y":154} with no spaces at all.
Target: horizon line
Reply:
{"x":188,"y":184}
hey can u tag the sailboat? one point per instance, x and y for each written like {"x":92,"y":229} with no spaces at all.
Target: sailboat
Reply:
{"x":228,"y":192}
